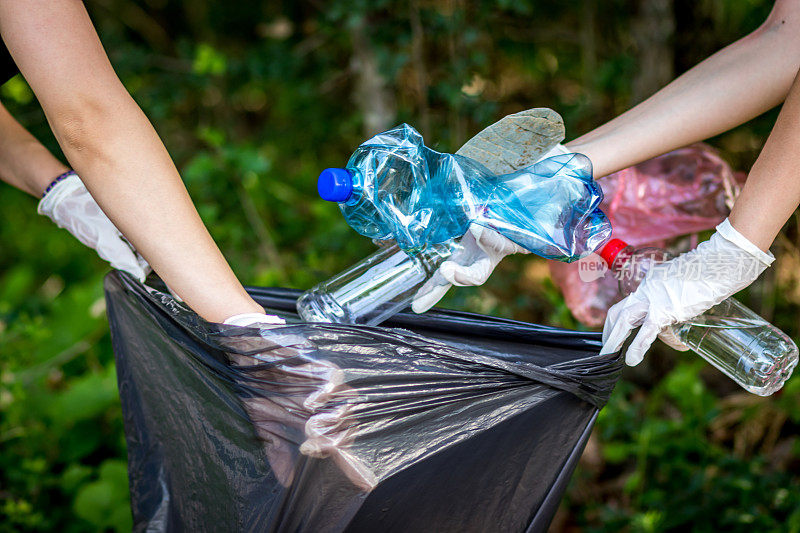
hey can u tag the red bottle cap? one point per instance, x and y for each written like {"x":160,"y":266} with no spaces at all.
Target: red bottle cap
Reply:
{"x":611,"y":250}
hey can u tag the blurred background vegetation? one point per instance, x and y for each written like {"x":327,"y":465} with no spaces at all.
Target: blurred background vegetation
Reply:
{"x":252,"y":99}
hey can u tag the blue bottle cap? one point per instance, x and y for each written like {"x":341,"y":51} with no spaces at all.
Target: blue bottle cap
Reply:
{"x":335,"y":184}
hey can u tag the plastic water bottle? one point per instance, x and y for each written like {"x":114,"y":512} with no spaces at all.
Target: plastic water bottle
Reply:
{"x":374,"y":289}
{"x":742,"y":345}
{"x":394,"y":187}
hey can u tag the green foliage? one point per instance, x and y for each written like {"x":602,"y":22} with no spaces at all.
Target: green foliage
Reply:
{"x":252,"y":99}
{"x":17,"y":91}
{"x":675,"y":469}
{"x":104,"y":502}
{"x":208,"y":61}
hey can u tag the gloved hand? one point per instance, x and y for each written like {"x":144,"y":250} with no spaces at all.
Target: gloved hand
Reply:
{"x":250,"y":319}
{"x":301,"y":403}
{"x":71,"y":207}
{"x":682,"y":288}
{"x":482,"y":250}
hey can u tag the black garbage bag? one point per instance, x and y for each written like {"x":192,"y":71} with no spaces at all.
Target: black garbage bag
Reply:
{"x":444,"y":422}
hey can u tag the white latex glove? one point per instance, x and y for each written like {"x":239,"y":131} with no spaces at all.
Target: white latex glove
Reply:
{"x":682,"y":288}
{"x":483,"y":249}
{"x":251,"y":319}
{"x":71,"y":207}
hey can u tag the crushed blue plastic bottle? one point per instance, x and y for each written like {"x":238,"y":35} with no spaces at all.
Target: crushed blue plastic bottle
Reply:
{"x":395,"y":187}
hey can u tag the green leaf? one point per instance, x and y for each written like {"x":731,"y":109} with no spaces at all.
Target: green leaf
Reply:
{"x":17,"y":89}
{"x":207,"y":60}
{"x":104,"y":502}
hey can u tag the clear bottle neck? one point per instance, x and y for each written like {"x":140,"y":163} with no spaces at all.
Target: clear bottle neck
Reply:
{"x":357,"y":186}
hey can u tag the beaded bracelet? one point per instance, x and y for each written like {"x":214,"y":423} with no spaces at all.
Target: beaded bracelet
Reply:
{"x":63,"y":176}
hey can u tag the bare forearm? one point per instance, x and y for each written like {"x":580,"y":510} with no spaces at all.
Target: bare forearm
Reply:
{"x":24,"y":162}
{"x":734,"y":85}
{"x":772,"y":191}
{"x":118,"y":155}
{"x":131,"y":176}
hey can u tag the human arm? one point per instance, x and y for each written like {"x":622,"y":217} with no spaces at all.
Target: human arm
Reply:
{"x":734,"y":85}
{"x":729,"y":88}
{"x":24,"y":162}
{"x":110,"y":143}
{"x":769,"y":197}
{"x":772,"y":190}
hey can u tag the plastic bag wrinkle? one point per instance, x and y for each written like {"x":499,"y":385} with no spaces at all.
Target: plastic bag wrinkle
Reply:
{"x":309,"y":427}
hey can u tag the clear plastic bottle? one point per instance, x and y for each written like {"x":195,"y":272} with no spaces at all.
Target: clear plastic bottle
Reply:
{"x":742,"y":345}
{"x":379,"y":286}
{"x":395,"y":187}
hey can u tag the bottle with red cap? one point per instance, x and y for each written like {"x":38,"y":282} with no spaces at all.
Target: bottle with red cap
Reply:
{"x":741,"y":344}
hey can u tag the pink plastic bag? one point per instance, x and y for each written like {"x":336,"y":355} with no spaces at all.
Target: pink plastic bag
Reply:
{"x":686,"y":191}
